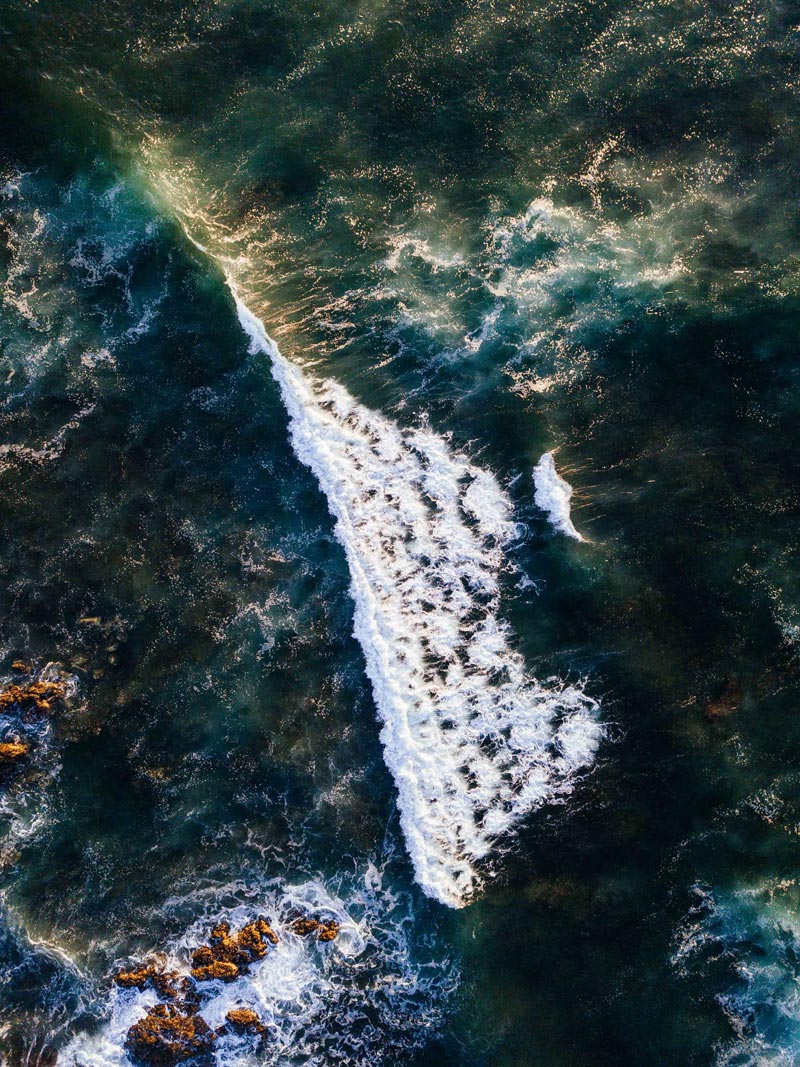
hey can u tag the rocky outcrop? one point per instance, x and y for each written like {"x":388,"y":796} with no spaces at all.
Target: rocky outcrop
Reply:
{"x":35,"y":696}
{"x":12,"y":751}
{"x":221,"y":970}
{"x":327,"y":930}
{"x":245,"y":1021}
{"x":166,"y":983}
{"x":136,"y":979}
{"x":173,"y":1032}
{"x":227,"y":954}
{"x":304,"y":927}
{"x":168,"y":1035}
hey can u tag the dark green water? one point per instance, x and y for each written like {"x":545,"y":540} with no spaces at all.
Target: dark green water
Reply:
{"x":565,"y":227}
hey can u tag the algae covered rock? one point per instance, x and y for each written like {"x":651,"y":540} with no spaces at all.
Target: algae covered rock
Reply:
{"x":35,"y":696}
{"x":150,"y":974}
{"x":167,"y":1035}
{"x":12,"y":751}
{"x":304,"y":927}
{"x":327,"y":930}
{"x":229,"y":954}
{"x":221,"y":970}
{"x":245,"y":1021}
{"x":136,"y":979}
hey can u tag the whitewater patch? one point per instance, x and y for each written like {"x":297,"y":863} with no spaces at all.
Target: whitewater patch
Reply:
{"x":472,"y":741}
{"x":553,"y":495}
{"x":362,"y":1000}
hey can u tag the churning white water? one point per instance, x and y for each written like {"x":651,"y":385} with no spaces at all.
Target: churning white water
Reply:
{"x":364,"y":999}
{"x":472,"y":741}
{"x":553,"y":495}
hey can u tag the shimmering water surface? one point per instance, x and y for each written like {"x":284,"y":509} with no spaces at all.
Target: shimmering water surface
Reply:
{"x":399,"y":459}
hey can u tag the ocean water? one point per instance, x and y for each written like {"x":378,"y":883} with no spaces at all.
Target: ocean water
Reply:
{"x":399,"y":452}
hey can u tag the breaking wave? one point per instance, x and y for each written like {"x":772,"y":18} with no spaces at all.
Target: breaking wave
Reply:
{"x":553,"y":495}
{"x":472,"y":741}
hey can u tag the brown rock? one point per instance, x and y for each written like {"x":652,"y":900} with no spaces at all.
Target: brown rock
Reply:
{"x":136,"y":979}
{"x":304,"y":927}
{"x":201,"y":957}
{"x":164,"y":982}
{"x":167,"y":1036}
{"x":245,"y":1021}
{"x":190,"y":998}
{"x":264,"y":928}
{"x":36,"y":696}
{"x":220,"y":969}
{"x":229,"y":954}
{"x":250,"y":939}
{"x":325,"y":931}
{"x":328,"y":931}
{"x":11,"y":751}
{"x":220,"y":932}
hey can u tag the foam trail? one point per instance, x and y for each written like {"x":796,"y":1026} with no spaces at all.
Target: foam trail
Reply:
{"x":473,"y":743}
{"x":553,"y":495}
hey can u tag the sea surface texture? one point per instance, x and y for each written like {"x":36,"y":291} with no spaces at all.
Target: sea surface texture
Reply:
{"x":400,"y":496}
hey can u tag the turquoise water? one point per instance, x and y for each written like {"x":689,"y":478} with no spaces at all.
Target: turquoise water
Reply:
{"x":327,"y":642}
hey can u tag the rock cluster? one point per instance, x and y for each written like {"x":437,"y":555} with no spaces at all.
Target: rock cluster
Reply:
{"x":27,"y":707}
{"x":166,"y":983}
{"x":173,"y":1032}
{"x":20,"y":701}
{"x":327,"y":930}
{"x":35,"y":696}
{"x":227,"y":955}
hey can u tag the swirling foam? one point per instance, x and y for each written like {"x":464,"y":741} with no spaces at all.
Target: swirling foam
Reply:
{"x":363,"y":999}
{"x":746,"y":941}
{"x":472,"y":741}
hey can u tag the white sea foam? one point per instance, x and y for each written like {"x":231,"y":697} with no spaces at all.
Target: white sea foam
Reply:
{"x":553,"y":495}
{"x":472,"y":741}
{"x":361,"y":999}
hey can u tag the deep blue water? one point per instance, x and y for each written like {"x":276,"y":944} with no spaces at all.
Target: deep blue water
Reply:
{"x":327,"y":645}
